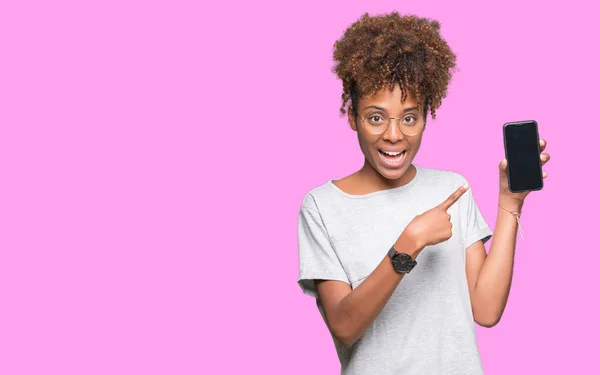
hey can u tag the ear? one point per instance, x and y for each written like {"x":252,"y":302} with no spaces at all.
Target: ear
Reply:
{"x":351,"y":118}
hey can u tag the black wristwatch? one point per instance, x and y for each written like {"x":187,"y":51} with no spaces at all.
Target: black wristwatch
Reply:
{"x":403,"y":263}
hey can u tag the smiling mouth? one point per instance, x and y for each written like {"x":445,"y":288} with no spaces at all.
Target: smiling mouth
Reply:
{"x":392,"y":154}
{"x":393,"y":158}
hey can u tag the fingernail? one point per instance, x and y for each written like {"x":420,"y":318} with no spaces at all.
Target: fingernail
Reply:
{"x":466,"y":186}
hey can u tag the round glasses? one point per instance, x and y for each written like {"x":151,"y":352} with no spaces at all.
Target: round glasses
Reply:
{"x":378,"y":124}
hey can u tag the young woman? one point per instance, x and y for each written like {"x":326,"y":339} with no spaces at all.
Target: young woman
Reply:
{"x":394,"y":253}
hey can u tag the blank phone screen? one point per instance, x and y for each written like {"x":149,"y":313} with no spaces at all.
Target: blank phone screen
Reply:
{"x":522,"y":153}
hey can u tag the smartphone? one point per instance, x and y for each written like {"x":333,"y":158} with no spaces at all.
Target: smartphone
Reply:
{"x":522,"y":150}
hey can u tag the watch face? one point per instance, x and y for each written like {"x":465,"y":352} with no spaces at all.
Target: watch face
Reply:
{"x":403,"y":263}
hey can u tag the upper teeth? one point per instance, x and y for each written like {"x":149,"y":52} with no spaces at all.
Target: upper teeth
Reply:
{"x":392,"y":153}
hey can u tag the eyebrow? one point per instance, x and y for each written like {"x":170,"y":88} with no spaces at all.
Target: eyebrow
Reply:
{"x":383,"y":109}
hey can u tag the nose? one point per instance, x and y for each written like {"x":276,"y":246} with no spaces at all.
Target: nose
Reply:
{"x":393,"y":133}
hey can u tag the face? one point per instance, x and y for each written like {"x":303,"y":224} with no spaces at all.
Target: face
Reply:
{"x":390,"y":153}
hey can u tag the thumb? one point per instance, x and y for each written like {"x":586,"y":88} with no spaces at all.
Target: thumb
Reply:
{"x":503,"y":164}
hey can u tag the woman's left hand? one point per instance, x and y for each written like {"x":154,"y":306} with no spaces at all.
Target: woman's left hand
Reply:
{"x":505,"y":193}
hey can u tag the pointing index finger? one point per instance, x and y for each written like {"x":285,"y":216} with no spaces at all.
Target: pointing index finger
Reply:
{"x":454,"y":197}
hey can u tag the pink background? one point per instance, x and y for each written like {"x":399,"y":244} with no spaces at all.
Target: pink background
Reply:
{"x":153,"y":157}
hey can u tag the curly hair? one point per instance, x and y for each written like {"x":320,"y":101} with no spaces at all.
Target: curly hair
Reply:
{"x":380,"y":52}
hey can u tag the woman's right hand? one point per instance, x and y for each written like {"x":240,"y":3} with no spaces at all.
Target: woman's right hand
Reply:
{"x":431,"y":227}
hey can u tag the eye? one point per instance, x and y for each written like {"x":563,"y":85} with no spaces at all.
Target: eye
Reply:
{"x":376,"y":119}
{"x":411,"y":120}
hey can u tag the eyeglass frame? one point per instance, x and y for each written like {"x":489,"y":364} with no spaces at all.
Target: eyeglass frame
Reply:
{"x":387,"y":125}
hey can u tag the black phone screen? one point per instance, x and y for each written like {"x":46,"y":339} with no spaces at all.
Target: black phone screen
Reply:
{"x":521,"y":142}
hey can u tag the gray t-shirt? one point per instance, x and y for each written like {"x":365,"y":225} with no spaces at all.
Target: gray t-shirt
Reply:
{"x":427,"y":326}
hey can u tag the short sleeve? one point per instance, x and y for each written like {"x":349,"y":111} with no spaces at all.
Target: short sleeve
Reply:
{"x":476,"y":228}
{"x":318,"y":260}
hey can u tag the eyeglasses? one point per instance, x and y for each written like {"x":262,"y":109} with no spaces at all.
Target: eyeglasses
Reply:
{"x":378,"y":124}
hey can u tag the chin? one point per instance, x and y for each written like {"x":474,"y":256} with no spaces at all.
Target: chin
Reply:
{"x":393,"y":174}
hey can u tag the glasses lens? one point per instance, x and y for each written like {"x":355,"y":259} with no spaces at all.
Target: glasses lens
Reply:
{"x":376,"y":124}
{"x":412,"y":128}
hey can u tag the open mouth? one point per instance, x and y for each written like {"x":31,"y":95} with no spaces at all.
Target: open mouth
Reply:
{"x":393,"y":157}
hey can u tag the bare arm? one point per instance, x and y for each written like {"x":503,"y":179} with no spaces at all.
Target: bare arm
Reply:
{"x":489,"y":276}
{"x":349,"y":312}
